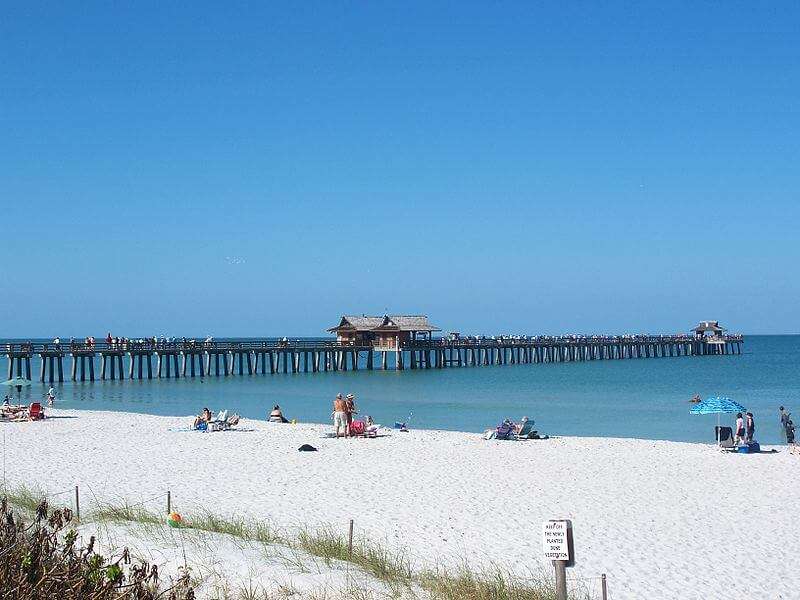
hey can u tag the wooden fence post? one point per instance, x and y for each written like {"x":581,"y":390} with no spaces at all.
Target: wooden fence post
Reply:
{"x":350,"y":541}
{"x":77,"y":504}
{"x":169,"y":502}
{"x":561,"y":579}
{"x":603,"y":587}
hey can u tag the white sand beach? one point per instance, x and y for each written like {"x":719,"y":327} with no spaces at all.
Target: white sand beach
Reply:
{"x":661,"y":519}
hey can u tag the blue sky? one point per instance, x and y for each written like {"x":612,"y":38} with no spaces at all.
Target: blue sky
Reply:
{"x":260,"y":170}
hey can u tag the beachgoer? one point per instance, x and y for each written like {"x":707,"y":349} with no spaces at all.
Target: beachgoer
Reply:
{"x":518,"y":426}
{"x":204,"y":417}
{"x":695,"y":399}
{"x":789,"y":432}
{"x":339,"y":415}
{"x":276,"y":416}
{"x":750,"y":427}
{"x":784,"y":417}
{"x":350,"y":409}
{"x":739,"y":428}
{"x":51,"y":396}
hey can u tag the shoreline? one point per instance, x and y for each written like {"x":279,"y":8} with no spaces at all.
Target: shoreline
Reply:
{"x":447,"y":496}
{"x":189,"y":418}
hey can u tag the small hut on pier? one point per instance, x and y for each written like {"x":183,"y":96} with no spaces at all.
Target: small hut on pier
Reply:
{"x":708,"y":329}
{"x":382,"y":333}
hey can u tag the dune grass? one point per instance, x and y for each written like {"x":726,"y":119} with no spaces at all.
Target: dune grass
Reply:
{"x":23,"y":498}
{"x":392,"y":568}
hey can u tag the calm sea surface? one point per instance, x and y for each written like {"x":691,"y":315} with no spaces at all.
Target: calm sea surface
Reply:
{"x":643,"y":398}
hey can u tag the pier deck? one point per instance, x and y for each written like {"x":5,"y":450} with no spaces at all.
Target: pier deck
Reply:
{"x":148,"y":360}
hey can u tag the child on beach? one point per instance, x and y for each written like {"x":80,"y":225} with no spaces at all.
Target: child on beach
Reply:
{"x":750,"y":426}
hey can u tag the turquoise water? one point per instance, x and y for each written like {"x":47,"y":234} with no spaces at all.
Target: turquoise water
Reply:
{"x":644,"y":398}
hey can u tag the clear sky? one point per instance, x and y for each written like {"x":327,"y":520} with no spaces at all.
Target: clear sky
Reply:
{"x":246,"y":169}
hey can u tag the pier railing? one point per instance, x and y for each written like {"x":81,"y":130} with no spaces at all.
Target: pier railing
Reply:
{"x":190,"y":358}
{"x":192,"y":346}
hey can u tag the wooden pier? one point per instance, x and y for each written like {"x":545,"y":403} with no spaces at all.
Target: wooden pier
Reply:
{"x":148,"y":360}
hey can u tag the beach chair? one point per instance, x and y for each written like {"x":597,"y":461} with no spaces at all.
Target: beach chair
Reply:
{"x":526,"y":431}
{"x":223,"y":422}
{"x":357,"y":428}
{"x":724,"y":435}
{"x":35,"y":412}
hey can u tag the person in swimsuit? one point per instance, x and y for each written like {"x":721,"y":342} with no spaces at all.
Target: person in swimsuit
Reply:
{"x":739,"y":428}
{"x":204,"y":417}
{"x":350,"y":409}
{"x":750,"y":427}
{"x":339,"y":415}
{"x":276,"y":416}
{"x":789,"y":432}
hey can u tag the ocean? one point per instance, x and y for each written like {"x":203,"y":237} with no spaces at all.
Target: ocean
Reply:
{"x":639,"y":398}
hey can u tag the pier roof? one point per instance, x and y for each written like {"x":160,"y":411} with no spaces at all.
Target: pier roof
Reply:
{"x":704,"y":326}
{"x":386,"y":322}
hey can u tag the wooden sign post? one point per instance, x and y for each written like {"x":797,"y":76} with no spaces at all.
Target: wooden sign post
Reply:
{"x":558,"y":546}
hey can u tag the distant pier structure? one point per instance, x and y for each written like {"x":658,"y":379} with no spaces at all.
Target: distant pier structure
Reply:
{"x":397,"y":341}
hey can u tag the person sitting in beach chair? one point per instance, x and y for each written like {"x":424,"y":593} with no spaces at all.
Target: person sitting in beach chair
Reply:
{"x":507,"y":430}
{"x":202,"y":420}
{"x":223,"y":422}
{"x":524,"y":428}
{"x":276,"y":416}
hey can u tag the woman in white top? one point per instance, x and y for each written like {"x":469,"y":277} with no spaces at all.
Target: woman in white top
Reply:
{"x":739,"y":427}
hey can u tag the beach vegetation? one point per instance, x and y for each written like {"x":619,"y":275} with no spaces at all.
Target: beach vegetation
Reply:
{"x":372,"y":560}
{"x":42,"y":559}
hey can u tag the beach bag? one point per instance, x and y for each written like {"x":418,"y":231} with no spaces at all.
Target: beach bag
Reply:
{"x":202,"y":426}
{"x":357,"y":428}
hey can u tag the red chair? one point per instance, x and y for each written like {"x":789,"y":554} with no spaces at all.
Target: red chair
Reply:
{"x":35,"y":412}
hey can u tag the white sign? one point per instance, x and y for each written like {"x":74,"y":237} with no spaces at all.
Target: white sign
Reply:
{"x":554,"y":540}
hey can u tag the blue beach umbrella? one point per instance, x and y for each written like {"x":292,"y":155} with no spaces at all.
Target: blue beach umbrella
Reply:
{"x":717,"y":405}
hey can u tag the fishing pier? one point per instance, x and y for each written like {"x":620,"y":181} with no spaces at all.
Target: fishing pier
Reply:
{"x":354,"y":348}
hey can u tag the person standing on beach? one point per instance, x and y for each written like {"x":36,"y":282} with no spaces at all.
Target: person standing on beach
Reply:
{"x":739,"y":428}
{"x":350,"y":409}
{"x":784,"y":417}
{"x":750,"y":427}
{"x":339,"y":415}
{"x":789,"y":432}
{"x":51,"y":396}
